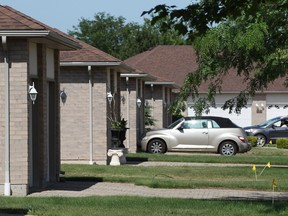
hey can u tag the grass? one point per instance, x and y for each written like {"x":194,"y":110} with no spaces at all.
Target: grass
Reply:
{"x":168,"y":177}
{"x":255,"y":156}
{"x":193,"y":176}
{"x":141,"y":206}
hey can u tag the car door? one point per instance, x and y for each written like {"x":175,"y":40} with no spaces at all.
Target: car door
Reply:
{"x":192,"y":135}
{"x":278,"y":131}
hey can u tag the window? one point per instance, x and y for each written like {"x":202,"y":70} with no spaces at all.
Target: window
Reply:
{"x":194,"y":124}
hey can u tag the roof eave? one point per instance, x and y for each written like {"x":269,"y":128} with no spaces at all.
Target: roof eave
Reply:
{"x":144,"y":76}
{"x":47,"y":34}
{"x":124,"y":67}
{"x":166,"y":83}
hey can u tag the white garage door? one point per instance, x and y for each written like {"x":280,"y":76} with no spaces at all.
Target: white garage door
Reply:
{"x":277,"y":105}
{"x":243,"y":119}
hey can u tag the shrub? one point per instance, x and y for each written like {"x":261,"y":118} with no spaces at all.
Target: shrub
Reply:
{"x":282,"y":143}
{"x":252,"y":140}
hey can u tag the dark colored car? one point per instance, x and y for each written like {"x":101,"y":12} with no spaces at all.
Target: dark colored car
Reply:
{"x":269,"y":130}
{"x":201,"y":134}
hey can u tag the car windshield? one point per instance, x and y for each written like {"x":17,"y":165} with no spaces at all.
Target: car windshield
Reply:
{"x":175,"y":123}
{"x":269,"y":121}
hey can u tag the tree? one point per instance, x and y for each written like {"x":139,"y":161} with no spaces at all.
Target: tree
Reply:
{"x":111,"y":35}
{"x":249,"y":36}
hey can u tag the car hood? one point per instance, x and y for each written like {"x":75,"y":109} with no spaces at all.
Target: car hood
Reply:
{"x":251,"y":127}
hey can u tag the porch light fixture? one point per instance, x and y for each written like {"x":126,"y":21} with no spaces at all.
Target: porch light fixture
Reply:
{"x":165,"y":104}
{"x":63,"y":96}
{"x":32,"y":92}
{"x":138,"y":102}
{"x":123,"y":99}
{"x":109,"y":97}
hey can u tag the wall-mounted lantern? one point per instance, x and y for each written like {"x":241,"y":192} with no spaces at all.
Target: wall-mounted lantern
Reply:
{"x":260,"y":107}
{"x":32,"y":93}
{"x":63,"y":96}
{"x":123,"y":99}
{"x":109,"y":97}
{"x":138,"y":102}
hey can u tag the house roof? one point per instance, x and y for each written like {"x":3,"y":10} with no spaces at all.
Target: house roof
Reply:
{"x":16,"y":24}
{"x":90,"y":55}
{"x":174,"y":63}
{"x":169,"y":63}
{"x":233,"y":83}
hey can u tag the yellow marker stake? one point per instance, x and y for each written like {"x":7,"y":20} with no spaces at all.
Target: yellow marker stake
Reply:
{"x":254,"y":169}
{"x":267,"y":165}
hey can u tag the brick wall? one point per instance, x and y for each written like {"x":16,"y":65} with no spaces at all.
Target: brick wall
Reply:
{"x":75,"y":114}
{"x":17,"y":52}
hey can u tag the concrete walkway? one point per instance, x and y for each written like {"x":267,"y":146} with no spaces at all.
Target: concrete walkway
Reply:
{"x":85,"y":188}
{"x":82,"y":189}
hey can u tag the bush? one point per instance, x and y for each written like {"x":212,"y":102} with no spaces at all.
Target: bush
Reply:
{"x":252,"y":140}
{"x":282,"y":143}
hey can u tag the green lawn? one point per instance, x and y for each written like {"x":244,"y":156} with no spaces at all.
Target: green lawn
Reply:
{"x":140,"y":206}
{"x":193,"y":176}
{"x":168,"y":177}
{"x":255,"y":156}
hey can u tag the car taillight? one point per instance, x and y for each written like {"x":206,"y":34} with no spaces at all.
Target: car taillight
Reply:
{"x":242,"y":139}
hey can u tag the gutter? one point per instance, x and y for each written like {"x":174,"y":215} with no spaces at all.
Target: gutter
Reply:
{"x":54,"y":36}
{"x":7,"y":184}
{"x":175,"y":85}
{"x":95,"y":63}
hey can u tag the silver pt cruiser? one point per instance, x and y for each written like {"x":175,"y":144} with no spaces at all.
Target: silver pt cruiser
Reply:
{"x":198,"y":134}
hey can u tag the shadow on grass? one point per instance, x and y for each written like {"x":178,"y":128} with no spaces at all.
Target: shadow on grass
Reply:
{"x":71,"y":184}
{"x":136,"y":160}
{"x":14,"y":211}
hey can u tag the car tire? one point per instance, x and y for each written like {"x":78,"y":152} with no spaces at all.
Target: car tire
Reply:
{"x":157,"y":146}
{"x":228,"y":148}
{"x":261,"y":140}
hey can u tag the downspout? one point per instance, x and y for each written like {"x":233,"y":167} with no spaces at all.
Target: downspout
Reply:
{"x":128,"y":110}
{"x":7,"y":184}
{"x":90,"y":115}
{"x":152,"y":94}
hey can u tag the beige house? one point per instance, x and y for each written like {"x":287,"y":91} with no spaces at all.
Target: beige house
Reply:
{"x":30,"y":139}
{"x":133,"y":105}
{"x":169,"y":64}
{"x":173,"y":63}
{"x":88,"y":76}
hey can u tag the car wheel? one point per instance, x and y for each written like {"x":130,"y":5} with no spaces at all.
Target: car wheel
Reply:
{"x":157,"y":146}
{"x":261,"y":140}
{"x":228,"y":148}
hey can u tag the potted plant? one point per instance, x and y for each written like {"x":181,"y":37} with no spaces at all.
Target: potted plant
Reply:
{"x":118,"y":132}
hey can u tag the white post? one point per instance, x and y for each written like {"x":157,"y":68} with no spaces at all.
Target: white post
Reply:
{"x":7,"y":184}
{"x":90,"y":115}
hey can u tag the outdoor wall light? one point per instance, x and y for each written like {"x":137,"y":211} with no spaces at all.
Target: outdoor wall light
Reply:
{"x":138,"y":102}
{"x":109,"y":97}
{"x":63,"y":96}
{"x":123,"y":99}
{"x":260,"y":107}
{"x":165,"y":104}
{"x":32,"y":92}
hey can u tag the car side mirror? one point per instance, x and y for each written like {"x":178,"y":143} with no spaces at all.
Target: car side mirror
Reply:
{"x":273,"y":126}
{"x":180,"y":128}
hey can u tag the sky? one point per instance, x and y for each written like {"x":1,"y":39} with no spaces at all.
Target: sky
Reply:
{"x":64,"y":14}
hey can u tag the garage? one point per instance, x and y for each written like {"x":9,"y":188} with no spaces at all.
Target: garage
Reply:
{"x":243,"y":119}
{"x":277,"y":105}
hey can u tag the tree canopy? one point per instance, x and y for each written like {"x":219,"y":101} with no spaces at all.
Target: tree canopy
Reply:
{"x":247,"y":36}
{"x":112,"y":35}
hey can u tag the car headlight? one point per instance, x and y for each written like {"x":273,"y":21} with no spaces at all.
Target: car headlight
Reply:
{"x":144,"y":138}
{"x":249,"y":130}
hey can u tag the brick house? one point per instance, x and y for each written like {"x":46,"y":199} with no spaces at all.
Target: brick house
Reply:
{"x":30,"y":139}
{"x":169,"y":64}
{"x":87,"y":76}
{"x":175,"y":62}
{"x":133,"y":105}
